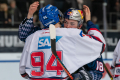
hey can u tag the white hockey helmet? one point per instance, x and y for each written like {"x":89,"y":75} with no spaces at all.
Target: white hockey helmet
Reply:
{"x":74,"y":14}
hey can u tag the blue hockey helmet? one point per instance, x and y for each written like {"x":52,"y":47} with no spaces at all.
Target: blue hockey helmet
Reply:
{"x":49,"y":15}
{"x":74,"y":14}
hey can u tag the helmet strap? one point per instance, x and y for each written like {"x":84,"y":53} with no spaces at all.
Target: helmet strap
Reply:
{"x":79,"y":27}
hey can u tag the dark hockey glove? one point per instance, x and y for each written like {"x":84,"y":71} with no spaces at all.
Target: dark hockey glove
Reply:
{"x":82,"y":74}
{"x":85,"y":74}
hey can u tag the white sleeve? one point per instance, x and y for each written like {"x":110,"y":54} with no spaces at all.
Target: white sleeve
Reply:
{"x":116,"y":54}
{"x":23,"y":59}
{"x":112,"y":69}
{"x":97,"y":33}
{"x":90,"y":47}
{"x":86,"y":49}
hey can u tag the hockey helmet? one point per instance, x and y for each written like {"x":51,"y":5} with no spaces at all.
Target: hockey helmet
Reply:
{"x":49,"y":15}
{"x":74,"y":14}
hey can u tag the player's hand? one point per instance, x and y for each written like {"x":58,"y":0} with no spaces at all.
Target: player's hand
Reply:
{"x":87,"y":13}
{"x":32,"y":9}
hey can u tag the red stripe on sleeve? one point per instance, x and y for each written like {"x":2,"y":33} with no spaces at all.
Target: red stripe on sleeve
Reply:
{"x":94,"y":29}
{"x":100,"y":41}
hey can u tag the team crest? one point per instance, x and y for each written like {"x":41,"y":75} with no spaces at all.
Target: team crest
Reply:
{"x":70,"y":13}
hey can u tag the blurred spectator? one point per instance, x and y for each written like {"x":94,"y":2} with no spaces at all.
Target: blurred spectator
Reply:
{"x":80,"y":3}
{"x":6,"y":16}
{"x":1,"y":12}
{"x":117,"y":6}
{"x":62,"y":5}
{"x":14,"y":11}
{"x":1,"y":15}
{"x":97,"y":9}
{"x":116,"y":15}
{"x":94,"y":20}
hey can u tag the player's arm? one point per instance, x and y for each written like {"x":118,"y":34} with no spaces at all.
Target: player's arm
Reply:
{"x":92,"y":29}
{"x":86,"y":49}
{"x":115,"y":56}
{"x":24,"y":58}
{"x":27,"y":26}
{"x":95,"y":33}
{"x":23,"y":64}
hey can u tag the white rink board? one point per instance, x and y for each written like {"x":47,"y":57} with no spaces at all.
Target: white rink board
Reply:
{"x":9,"y":66}
{"x":10,"y":71}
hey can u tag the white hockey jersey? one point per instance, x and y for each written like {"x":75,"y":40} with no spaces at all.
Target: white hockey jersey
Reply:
{"x":115,"y":67}
{"x":74,"y":48}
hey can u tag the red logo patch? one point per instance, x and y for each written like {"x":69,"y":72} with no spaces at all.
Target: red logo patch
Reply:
{"x":70,"y":13}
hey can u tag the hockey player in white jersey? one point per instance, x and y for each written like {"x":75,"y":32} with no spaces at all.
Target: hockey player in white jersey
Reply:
{"x":73,"y":18}
{"x":37,"y":61}
{"x":115,"y":66}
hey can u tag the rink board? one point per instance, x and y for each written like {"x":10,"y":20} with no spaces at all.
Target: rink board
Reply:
{"x":9,"y":66}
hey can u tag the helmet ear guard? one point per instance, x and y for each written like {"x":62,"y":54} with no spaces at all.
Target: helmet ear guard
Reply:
{"x":60,"y":14}
{"x":61,"y":17}
{"x":49,"y":15}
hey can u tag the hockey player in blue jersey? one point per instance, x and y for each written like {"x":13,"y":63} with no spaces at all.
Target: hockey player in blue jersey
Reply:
{"x":27,"y":27}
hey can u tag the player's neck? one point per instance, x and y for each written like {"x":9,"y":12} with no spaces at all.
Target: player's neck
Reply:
{"x":57,"y":25}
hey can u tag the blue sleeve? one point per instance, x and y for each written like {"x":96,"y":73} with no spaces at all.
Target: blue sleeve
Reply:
{"x":91,"y":25}
{"x":93,"y":65}
{"x":26,"y":28}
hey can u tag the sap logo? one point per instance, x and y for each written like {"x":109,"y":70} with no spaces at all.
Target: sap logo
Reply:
{"x":44,"y":42}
